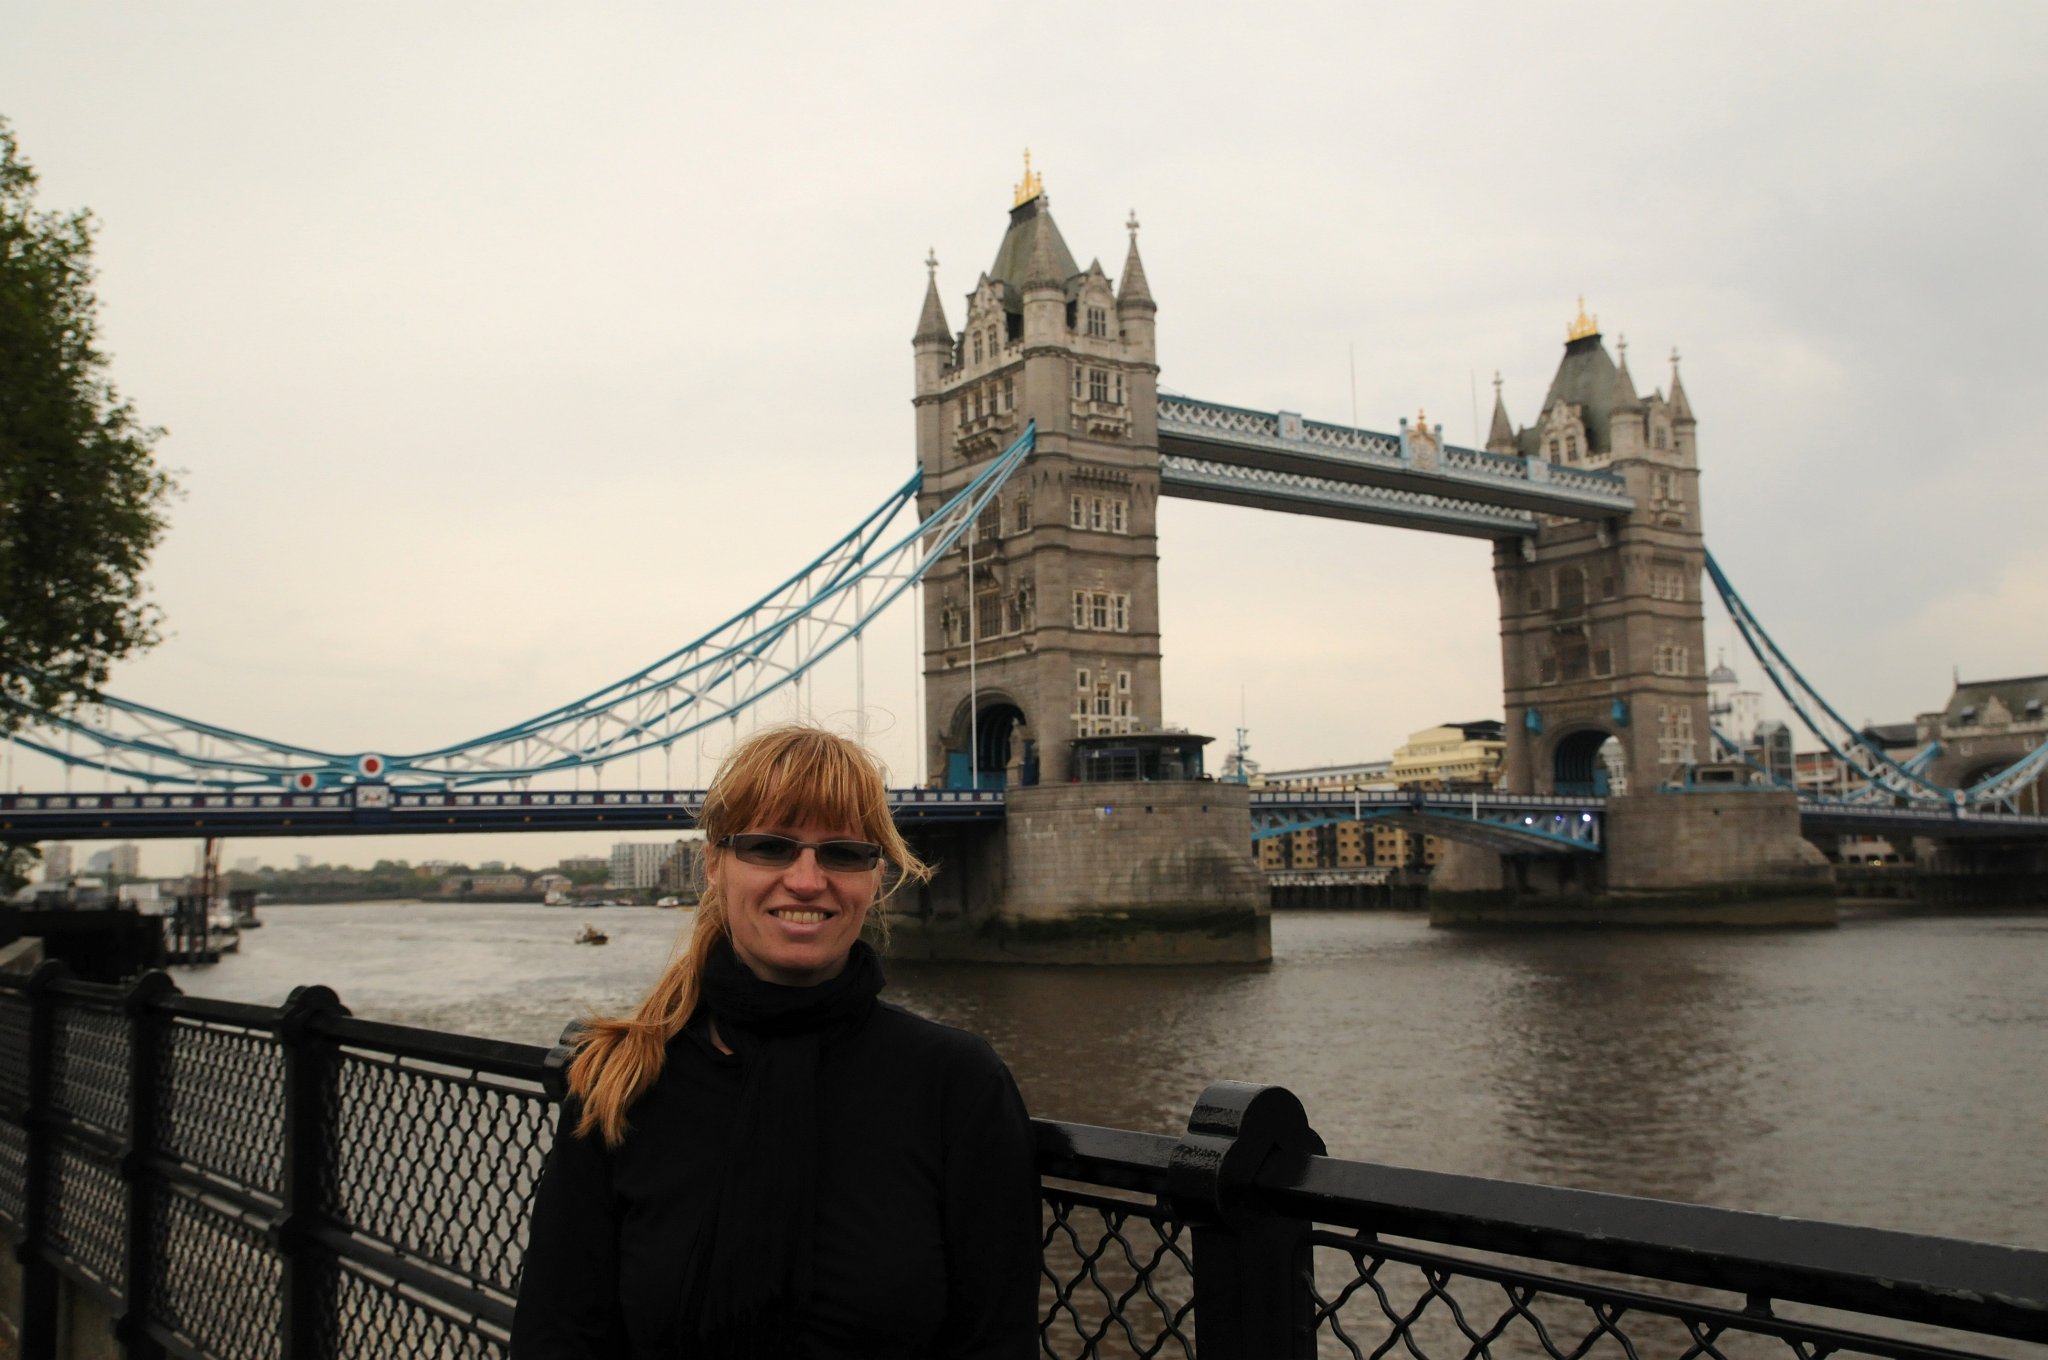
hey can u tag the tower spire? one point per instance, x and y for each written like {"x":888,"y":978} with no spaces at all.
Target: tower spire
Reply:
{"x":931,"y":322}
{"x":1624,"y":385}
{"x":1132,"y":289}
{"x":1030,"y":186}
{"x":1582,"y":326}
{"x":1500,"y":435}
{"x":1681,"y":409}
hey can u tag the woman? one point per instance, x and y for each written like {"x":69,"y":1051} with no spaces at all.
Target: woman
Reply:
{"x":764,"y":1160}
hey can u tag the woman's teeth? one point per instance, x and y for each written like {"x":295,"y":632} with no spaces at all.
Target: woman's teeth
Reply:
{"x":800,"y":918}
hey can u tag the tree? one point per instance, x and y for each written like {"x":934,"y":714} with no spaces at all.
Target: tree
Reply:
{"x":17,"y":860}
{"x":81,"y":496}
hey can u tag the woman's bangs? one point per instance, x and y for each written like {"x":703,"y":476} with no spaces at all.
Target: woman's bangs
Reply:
{"x":817,"y":782}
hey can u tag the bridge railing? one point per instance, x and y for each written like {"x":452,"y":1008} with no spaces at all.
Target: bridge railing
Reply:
{"x":271,"y":1183}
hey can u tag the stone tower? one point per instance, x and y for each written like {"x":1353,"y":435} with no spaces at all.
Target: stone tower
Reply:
{"x":1601,"y":628}
{"x":1042,"y":624}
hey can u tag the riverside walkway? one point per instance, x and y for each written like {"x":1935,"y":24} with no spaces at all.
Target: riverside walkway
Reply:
{"x":207,"y":1179}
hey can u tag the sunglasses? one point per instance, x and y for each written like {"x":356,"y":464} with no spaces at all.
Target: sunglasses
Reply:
{"x":770,"y":851}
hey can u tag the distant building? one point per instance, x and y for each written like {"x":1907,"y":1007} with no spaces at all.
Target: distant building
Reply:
{"x":1773,"y":750}
{"x":637,"y":864}
{"x":1986,"y":727}
{"x":1364,"y":775}
{"x":584,"y":865}
{"x":1465,"y":755}
{"x":491,"y":885}
{"x":56,"y":861}
{"x":1733,"y":711}
{"x":117,"y":861}
{"x":680,"y":870}
{"x":1348,"y":845}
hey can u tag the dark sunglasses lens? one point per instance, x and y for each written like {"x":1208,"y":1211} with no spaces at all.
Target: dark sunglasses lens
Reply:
{"x":771,"y":852}
{"x":848,"y":856}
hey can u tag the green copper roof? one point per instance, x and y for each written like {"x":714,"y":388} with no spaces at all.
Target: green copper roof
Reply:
{"x":1585,"y":377}
{"x":1013,"y":258}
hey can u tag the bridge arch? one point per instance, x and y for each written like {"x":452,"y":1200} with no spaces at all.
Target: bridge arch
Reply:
{"x":989,"y":730}
{"x":1578,"y":761}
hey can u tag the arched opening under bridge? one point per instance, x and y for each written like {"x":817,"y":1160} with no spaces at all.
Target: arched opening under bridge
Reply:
{"x":1583,"y":762}
{"x":997,"y":734}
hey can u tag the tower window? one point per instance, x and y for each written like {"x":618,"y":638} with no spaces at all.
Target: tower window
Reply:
{"x":1009,"y":394}
{"x":1076,"y":514}
{"x":1098,"y":321}
{"x":977,"y":347}
{"x":1020,"y":514}
{"x":1098,"y":385}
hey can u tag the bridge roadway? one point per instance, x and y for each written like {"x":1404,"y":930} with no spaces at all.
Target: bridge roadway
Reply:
{"x":1510,"y":823}
{"x":1276,"y":460}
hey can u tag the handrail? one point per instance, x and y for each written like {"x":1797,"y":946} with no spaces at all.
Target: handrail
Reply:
{"x":1231,"y":1208}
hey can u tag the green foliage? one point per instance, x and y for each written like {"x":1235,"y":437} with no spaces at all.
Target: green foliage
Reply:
{"x":17,"y":860}
{"x":81,"y":497}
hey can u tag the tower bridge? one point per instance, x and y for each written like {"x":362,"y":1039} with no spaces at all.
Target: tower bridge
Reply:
{"x":1043,"y":446}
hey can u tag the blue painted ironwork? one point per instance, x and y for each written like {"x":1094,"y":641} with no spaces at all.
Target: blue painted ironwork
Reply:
{"x":1509,"y":823}
{"x":758,"y":652}
{"x":1846,"y":741}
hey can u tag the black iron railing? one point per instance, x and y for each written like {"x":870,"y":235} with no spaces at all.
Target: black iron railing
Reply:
{"x":233,"y":1182}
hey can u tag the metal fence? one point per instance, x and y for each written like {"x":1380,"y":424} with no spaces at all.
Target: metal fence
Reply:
{"x":242,"y":1182}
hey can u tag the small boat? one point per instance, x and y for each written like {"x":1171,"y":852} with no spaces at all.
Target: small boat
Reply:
{"x":591,"y":935}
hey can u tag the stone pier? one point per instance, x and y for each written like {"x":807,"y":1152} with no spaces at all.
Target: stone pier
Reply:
{"x":1105,"y":873}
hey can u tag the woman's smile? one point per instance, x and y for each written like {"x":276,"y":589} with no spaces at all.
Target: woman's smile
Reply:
{"x":794,"y":924}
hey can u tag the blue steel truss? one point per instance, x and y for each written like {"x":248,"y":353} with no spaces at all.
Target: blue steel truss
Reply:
{"x":1878,"y":769}
{"x":758,"y":652}
{"x":1516,"y":824}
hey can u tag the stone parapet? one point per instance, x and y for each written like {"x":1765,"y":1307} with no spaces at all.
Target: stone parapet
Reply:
{"x":1114,"y":873}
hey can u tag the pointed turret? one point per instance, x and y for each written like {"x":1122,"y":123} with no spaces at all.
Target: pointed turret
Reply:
{"x":931,"y":323}
{"x":1681,"y":409}
{"x":1134,"y":291}
{"x":1624,"y":386}
{"x":1500,"y":436}
{"x":1135,"y":310}
{"x":933,"y":342}
{"x":1043,"y":268}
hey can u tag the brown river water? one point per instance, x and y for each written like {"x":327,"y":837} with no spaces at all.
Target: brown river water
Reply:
{"x":1892,"y":1071}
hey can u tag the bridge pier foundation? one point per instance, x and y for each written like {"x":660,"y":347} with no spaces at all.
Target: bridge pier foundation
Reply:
{"x":1115,"y":873}
{"x":1732,"y":857}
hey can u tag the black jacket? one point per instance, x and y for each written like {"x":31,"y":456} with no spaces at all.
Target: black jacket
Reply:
{"x":927,"y":1243}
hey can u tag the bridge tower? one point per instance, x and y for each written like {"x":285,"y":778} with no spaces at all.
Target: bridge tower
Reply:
{"x":1043,"y":623}
{"x":1602,"y":634}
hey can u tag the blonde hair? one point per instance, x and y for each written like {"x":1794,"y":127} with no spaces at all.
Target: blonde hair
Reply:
{"x":778,"y":777}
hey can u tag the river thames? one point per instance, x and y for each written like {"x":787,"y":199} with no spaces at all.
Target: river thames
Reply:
{"x":1890,"y":1072}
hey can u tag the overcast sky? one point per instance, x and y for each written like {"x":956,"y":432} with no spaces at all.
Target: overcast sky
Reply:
{"x":505,"y":346}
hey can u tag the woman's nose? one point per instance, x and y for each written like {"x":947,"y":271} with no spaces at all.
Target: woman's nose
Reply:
{"x":803,"y":871}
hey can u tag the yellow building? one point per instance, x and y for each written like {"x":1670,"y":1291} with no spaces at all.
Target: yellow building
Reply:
{"x":1452,"y":756}
{"x":1348,"y":845}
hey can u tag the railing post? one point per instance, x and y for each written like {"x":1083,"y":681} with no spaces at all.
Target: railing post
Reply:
{"x":1252,"y":1295}
{"x":146,"y":1026}
{"x":310,"y":1071}
{"x":38,"y":1336}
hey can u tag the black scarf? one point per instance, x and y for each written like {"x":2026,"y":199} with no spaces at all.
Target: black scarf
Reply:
{"x":750,"y":1279}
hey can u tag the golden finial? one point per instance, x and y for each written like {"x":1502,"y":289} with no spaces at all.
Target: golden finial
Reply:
{"x":1584,"y":325}
{"x":1030,"y":186}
